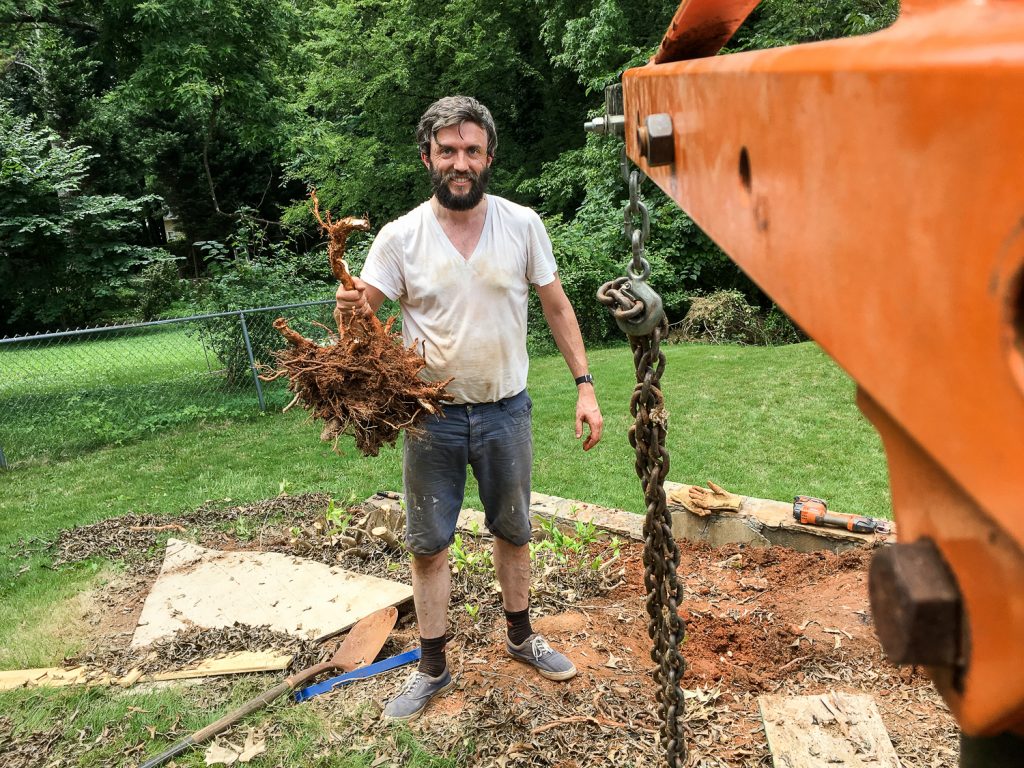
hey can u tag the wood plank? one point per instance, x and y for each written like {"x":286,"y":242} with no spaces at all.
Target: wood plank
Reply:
{"x":834,"y":729}
{"x":229,"y":664}
{"x":210,"y":588}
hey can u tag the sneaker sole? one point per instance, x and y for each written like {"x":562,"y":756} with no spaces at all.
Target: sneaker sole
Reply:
{"x":418,"y":712}
{"x":556,"y":676}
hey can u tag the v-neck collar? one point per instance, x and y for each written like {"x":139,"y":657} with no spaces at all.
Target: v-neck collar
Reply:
{"x":447,"y":240}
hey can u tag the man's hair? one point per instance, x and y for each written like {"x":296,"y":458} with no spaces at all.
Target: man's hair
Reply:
{"x":455,"y":110}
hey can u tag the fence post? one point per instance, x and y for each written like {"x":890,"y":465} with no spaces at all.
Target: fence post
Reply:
{"x":252,"y":362}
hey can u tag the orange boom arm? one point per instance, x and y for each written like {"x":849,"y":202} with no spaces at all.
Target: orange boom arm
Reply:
{"x":874,"y":188}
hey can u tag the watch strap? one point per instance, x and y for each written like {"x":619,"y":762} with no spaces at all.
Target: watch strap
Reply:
{"x":586,"y":378}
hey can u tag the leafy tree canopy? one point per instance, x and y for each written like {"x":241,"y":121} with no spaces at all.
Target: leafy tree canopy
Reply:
{"x":225,"y":112}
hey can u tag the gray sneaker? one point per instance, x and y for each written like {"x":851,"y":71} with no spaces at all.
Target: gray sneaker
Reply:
{"x":536,"y":651}
{"x":417,"y":692}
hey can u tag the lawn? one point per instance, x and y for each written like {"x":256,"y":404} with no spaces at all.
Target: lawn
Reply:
{"x":767,"y":422}
{"x":60,"y":397}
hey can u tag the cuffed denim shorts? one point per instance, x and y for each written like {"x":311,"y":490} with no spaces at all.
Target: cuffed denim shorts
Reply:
{"x":495,"y":440}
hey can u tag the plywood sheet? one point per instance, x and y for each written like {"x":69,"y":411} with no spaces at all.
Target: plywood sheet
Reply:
{"x":833,"y":729}
{"x":229,"y":664}
{"x":210,"y":588}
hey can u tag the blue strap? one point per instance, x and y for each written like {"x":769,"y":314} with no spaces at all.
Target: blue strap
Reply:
{"x":358,"y":674}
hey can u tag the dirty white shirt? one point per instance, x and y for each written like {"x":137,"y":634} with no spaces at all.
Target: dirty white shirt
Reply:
{"x":467,"y":316}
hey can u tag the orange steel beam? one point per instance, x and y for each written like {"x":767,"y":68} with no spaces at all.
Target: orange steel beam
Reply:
{"x":874,"y":188}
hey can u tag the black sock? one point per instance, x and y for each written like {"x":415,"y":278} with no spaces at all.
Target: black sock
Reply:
{"x":518,"y":625}
{"x":433,"y":660}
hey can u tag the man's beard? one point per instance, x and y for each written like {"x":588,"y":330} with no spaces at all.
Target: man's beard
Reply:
{"x":455,"y":202}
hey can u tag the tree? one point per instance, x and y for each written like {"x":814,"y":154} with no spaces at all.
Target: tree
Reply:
{"x":64,"y":254}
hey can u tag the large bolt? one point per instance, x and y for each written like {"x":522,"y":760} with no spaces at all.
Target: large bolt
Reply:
{"x":606,"y":124}
{"x":916,"y":604}
{"x":657,"y":143}
{"x":613,"y":121}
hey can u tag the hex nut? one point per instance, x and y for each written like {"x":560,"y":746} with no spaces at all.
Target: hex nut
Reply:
{"x":916,"y":604}
{"x":658,"y":144}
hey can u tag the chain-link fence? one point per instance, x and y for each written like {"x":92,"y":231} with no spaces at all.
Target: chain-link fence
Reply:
{"x":64,"y":393}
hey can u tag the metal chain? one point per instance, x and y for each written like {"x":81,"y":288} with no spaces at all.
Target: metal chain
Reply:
{"x":638,"y":311}
{"x":661,"y":555}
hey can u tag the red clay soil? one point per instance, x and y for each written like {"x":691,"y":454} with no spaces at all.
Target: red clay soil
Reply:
{"x":759,"y":621}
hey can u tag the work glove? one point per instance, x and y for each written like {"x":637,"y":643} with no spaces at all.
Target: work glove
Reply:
{"x":704,"y":501}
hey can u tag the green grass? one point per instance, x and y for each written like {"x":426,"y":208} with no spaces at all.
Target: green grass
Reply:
{"x":767,"y":422}
{"x":61,"y":397}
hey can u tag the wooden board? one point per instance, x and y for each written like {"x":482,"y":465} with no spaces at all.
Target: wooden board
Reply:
{"x":229,"y":664}
{"x":209,"y":588}
{"x":834,"y":729}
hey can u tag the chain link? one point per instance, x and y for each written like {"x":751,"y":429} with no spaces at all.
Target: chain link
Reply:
{"x":635,"y":305}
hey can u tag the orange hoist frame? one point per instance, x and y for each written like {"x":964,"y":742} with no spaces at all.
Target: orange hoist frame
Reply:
{"x":874,"y":188}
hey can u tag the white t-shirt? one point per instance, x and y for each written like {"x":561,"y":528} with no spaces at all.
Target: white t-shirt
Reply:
{"x":467,"y":316}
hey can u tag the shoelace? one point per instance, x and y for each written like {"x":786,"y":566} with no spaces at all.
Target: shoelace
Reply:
{"x":540,"y":647}
{"x":414,"y":678}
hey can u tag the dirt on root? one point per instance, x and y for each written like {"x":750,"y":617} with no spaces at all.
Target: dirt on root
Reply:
{"x":758,"y":621}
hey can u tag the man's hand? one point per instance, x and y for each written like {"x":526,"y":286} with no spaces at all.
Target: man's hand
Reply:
{"x":588,"y":412}
{"x":353,"y":301}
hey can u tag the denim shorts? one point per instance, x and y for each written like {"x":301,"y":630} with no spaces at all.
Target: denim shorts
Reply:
{"x":495,"y":440}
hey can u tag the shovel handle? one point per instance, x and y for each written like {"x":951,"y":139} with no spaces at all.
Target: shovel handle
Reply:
{"x":219,"y":726}
{"x":174,"y":751}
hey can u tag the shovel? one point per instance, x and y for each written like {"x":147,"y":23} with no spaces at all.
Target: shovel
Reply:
{"x":360,"y":647}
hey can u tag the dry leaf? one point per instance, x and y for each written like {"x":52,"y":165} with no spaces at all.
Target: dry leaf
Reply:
{"x":252,"y":748}
{"x":217,"y":754}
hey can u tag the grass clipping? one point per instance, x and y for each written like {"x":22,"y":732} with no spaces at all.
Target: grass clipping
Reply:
{"x":365,"y":381}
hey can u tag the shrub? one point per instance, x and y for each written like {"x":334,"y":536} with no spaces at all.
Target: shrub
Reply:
{"x":155,"y":289}
{"x":726,"y":317}
{"x":251,"y":271}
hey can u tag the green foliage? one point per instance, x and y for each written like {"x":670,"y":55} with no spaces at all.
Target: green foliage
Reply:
{"x":725,"y":317}
{"x":154,"y":289}
{"x":776,"y":23}
{"x":337,"y":517}
{"x":564,"y":546}
{"x":65,"y":254}
{"x":466,"y":560}
{"x":375,"y":66}
{"x":248,"y":270}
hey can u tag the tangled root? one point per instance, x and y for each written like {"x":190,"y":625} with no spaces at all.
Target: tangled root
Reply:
{"x":365,"y":381}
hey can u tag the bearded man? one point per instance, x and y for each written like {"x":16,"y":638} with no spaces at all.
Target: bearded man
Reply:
{"x":461,"y":265}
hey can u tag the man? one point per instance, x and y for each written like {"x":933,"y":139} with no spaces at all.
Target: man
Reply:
{"x":461,"y":265}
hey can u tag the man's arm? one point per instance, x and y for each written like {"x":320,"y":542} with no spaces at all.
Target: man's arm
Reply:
{"x":562,"y":320}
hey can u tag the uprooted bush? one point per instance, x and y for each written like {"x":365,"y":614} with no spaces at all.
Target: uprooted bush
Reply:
{"x":726,"y":317}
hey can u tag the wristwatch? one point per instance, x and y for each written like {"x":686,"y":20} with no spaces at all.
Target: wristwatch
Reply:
{"x":586,"y":378}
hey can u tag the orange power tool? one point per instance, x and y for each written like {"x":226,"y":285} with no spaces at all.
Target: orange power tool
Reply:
{"x":811,"y":511}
